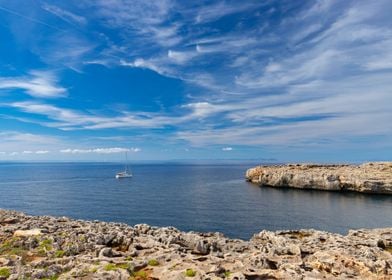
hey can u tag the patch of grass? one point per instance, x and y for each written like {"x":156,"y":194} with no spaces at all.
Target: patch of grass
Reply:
{"x":122,"y":265}
{"x":189,"y":272}
{"x":16,"y":251}
{"x":110,"y":267}
{"x":59,"y":254}
{"x":43,"y":247}
{"x":10,"y":247}
{"x":83,"y":238}
{"x":139,"y":275}
{"x":93,"y":269}
{"x":128,"y":258}
{"x":53,"y":277}
{"x":46,"y":245}
{"x":153,"y":262}
{"x":5,"y":247}
{"x":227,"y":274}
{"x":5,"y":272}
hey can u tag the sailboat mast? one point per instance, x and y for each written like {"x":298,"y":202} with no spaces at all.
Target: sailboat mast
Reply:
{"x":126,"y":162}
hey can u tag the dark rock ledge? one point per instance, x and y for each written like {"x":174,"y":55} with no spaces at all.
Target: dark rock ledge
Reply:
{"x":61,"y":248}
{"x":373,"y":177}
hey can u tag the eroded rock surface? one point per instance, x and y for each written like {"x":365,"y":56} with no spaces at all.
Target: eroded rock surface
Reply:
{"x":74,"y":249}
{"x":366,"y":178}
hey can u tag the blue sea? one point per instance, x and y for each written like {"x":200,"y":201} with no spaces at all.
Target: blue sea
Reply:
{"x":197,"y":197}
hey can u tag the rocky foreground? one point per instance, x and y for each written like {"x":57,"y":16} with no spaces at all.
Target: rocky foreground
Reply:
{"x":61,"y":248}
{"x":366,"y":178}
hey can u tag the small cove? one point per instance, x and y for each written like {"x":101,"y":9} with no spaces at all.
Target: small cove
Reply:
{"x":190,"y":197}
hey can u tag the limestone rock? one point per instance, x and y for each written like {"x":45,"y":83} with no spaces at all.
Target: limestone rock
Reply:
{"x":73,"y":249}
{"x":366,"y":178}
{"x":29,"y":232}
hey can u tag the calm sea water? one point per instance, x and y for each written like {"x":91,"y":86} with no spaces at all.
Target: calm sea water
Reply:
{"x":189,"y":197}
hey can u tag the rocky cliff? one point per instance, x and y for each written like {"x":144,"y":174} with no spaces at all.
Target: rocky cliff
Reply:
{"x":366,"y":178}
{"x":61,"y":248}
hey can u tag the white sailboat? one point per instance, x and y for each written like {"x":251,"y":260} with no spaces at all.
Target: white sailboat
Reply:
{"x":126,"y":173}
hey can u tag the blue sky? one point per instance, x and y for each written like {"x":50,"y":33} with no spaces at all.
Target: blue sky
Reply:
{"x":284,"y":80}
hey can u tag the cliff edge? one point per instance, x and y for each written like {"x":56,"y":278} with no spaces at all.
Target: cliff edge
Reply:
{"x":370,"y":177}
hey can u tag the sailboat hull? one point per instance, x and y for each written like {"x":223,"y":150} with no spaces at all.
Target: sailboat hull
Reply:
{"x":123,"y":175}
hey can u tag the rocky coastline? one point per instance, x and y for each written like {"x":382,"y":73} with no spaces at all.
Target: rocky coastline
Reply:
{"x":44,"y":247}
{"x":373,"y":177}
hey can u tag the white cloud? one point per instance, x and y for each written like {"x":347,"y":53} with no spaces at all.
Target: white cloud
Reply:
{"x":38,"y":84}
{"x":181,"y":57}
{"x":202,"y":109}
{"x":226,"y":149}
{"x":147,"y":64}
{"x":41,"y":152}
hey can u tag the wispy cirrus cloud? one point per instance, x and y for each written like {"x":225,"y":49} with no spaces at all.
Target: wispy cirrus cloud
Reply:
{"x":65,"y":15}
{"x":37,"y":84}
{"x":215,"y":11}
{"x":70,"y":119}
{"x":149,"y":20}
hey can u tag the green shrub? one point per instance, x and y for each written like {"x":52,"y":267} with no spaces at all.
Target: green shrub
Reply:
{"x":45,"y":245}
{"x":5,"y":272}
{"x":153,"y":262}
{"x":141,"y":274}
{"x":110,"y":267}
{"x":190,"y":272}
{"x":59,"y":254}
{"x":122,"y":265}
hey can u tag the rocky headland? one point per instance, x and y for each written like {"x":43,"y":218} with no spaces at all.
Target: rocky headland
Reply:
{"x":33,"y":247}
{"x":373,"y":177}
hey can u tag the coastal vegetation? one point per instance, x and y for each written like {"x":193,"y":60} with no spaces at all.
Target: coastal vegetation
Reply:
{"x":4,"y":272}
{"x":189,"y":272}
